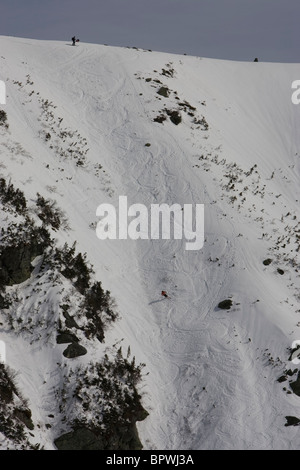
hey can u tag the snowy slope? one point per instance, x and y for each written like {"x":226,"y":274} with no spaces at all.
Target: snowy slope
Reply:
{"x":211,"y":375}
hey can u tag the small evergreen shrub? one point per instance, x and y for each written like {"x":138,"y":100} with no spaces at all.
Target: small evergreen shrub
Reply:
{"x":15,"y":197}
{"x":49,"y":213}
{"x":98,"y":309}
{"x":74,"y":267}
{"x":97,"y":305}
{"x":13,"y":407}
{"x":3,"y":119}
{"x":202,"y":123}
{"x":105,"y":394}
{"x":161,"y":118}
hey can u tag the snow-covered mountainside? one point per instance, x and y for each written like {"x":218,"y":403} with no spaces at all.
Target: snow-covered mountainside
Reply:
{"x":84,"y":125}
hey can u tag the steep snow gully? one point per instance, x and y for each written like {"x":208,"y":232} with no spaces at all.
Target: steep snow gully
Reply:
{"x":210,"y":380}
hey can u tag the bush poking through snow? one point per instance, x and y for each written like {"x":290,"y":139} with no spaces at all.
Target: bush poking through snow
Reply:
{"x":97,"y":304}
{"x":49,"y":213}
{"x":74,"y":267}
{"x":14,"y":412}
{"x":98,"y":308}
{"x":12,"y":196}
{"x":161,"y":118}
{"x":106,"y":407}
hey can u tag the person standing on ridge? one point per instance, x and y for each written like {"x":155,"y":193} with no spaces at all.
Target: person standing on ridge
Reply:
{"x":73,"y":40}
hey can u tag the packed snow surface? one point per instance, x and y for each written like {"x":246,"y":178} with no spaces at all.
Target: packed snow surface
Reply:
{"x":210,"y":380}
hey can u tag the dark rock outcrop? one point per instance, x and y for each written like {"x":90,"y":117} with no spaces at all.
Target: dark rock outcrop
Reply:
{"x":225,"y":304}
{"x":6,"y":393}
{"x":292,"y":421}
{"x":267,"y":261}
{"x":161,"y":118}
{"x":281,"y":379}
{"x":66,"y":337}
{"x":295,"y":386}
{"x":174,"y":116}
{"x":117,"y":437}
{"x":70,"y":322}
{"x":25,"y":417}
{"x":15,"y":262}
{"x":74,"y":350}
{"x":79,"y":439}
{"x":164,"y":91}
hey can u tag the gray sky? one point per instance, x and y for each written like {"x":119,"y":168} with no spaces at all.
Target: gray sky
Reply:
{"x":224,"y":29}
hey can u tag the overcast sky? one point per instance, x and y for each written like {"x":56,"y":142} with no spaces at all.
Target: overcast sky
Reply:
{"x":224,"y":29}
